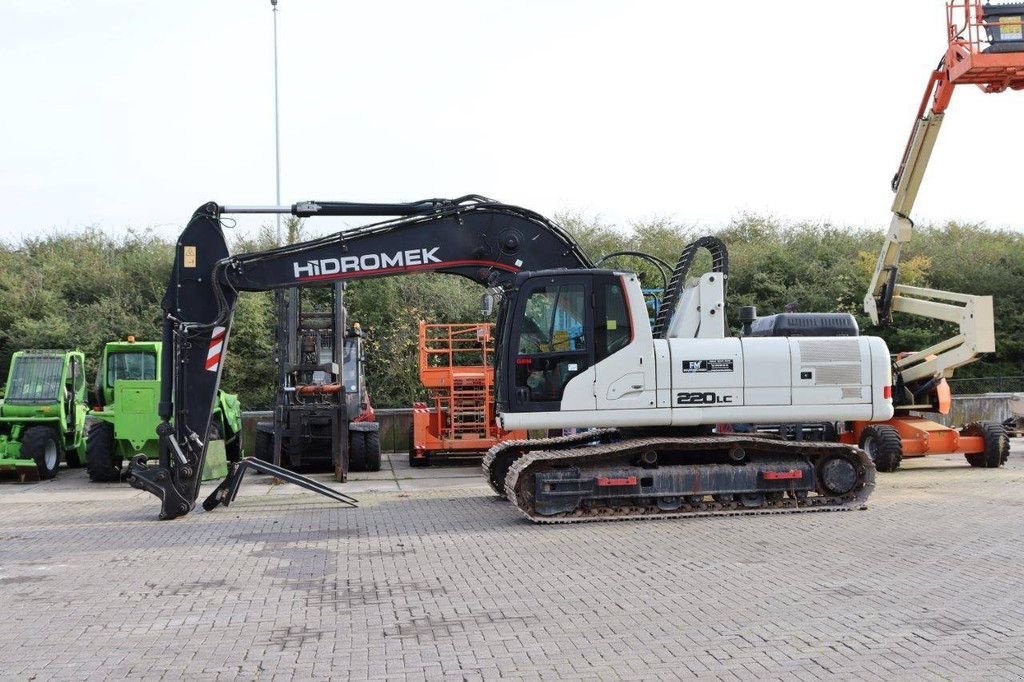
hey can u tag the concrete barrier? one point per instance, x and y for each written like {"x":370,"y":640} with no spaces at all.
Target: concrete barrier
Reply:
{"x":982,"y":407}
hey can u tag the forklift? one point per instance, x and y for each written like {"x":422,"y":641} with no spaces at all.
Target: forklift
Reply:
{"x":322,"y":412}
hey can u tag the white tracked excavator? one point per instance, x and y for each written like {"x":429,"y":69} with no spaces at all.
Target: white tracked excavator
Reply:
{"x":576,"y":349}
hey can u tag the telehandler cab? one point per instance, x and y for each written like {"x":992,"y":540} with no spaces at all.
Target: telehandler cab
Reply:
{"x":42,"y":414}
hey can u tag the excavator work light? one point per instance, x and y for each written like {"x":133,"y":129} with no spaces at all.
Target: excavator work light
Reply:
{"x":1004,"y":24}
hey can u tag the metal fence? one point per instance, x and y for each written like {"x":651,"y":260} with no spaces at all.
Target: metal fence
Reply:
{"x":394,"y":428}
{"x":980,"y":385}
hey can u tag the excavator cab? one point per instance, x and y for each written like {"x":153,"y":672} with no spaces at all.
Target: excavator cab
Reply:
{"x":559,"y":325}
{"x":552,"y":321}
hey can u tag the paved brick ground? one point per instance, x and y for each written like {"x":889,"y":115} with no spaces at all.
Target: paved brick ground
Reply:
{"x":445,"y":581}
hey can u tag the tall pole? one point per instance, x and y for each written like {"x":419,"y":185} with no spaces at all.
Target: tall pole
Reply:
{"x":277,"y":128}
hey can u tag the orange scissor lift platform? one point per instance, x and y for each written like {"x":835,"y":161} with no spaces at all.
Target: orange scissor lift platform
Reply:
{"x":456,"y":367}
{"x":985,"y":48}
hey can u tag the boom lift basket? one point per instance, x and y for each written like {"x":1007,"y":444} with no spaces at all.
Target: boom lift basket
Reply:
{"x":986,"y":45}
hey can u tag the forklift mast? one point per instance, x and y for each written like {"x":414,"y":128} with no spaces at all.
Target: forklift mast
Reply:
{"x":310,"y":408}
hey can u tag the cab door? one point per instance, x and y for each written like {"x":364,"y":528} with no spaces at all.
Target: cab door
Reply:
{"x":551,"y":344}
{"x":625,"y":376}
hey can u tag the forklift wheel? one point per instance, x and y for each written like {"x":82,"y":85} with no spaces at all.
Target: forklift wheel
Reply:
{"x":356,"y":451}
{"x":40,"y":444}
{"x":997,"y":445}
{"x":883,"y":444}
{"x":371,"y":450}
{"x":263,"y":448}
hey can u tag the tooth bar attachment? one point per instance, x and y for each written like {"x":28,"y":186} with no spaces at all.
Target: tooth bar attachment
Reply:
{"x":160,"y":481}
{"x":703,"y":476}
{"x":225,"y":493}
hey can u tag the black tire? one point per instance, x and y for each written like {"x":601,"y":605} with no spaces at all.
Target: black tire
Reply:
{"x":356,"y":451}
{"x":997,"y":445}
{"x":99,"y":453}
{"x":263,"y":448}
{"x":884,"y":445}
{"x":40,"y":444}
{"x":415,"y":461}
{"x":233,"y":449}
{"x":372,"y":450}
{"x":73,"y":459}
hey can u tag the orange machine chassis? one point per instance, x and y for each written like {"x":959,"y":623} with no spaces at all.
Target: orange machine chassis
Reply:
{"x":921,"y":437}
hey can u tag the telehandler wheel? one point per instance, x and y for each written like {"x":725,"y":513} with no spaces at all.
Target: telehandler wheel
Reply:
{"x":356,"y":451}
{"x":73,"y":459}
{"x":99,"y":453}
{"x":40,"y":444}
{"x":371,"y":448}
{"x":884,"y":445}
{"x":997,"y":445}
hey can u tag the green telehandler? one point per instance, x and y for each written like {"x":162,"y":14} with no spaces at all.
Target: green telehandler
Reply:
{"x":42,"y":414}
{"x":124,"y":414}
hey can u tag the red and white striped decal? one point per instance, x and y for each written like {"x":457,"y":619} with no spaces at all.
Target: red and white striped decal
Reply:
{"x":216,"y":348}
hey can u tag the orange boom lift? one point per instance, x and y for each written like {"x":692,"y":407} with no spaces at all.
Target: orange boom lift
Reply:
{"x":985,"y":48}
{"x":457,"y":368}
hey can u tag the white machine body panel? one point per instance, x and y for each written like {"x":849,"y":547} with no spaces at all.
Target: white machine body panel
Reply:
{"x":732,"y":380}
{"x":704,"y":377}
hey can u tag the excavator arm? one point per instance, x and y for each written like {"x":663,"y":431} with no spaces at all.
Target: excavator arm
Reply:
{"x":473,"y":237}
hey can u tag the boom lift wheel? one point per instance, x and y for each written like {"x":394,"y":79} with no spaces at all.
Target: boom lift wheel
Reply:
{"x":883,"y":445}
{"x":99,"y":453}
{"x":997,"y":445}
{"x":40,"y":444}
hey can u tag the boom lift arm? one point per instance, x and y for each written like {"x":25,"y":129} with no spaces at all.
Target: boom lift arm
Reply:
{"x":473,"y":237}
{"x":985,"y":50}
{"x":921,"y":371}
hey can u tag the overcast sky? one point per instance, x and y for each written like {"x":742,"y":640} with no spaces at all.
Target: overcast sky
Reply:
{"x":123,"y":113}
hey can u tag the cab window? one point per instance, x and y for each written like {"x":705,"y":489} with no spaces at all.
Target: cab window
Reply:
{"x":612,"y":327}
{"x":553,"y":344}
{"x":131,"y":367}
{"x":350,"y":365}
{"x":554,"y":320}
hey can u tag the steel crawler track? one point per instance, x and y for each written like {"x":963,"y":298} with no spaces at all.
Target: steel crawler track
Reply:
{"x":520,"y":482}
{"x":501,"y":456}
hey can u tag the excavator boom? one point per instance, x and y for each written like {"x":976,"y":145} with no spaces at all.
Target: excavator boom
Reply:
{"x":474,"y":237}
